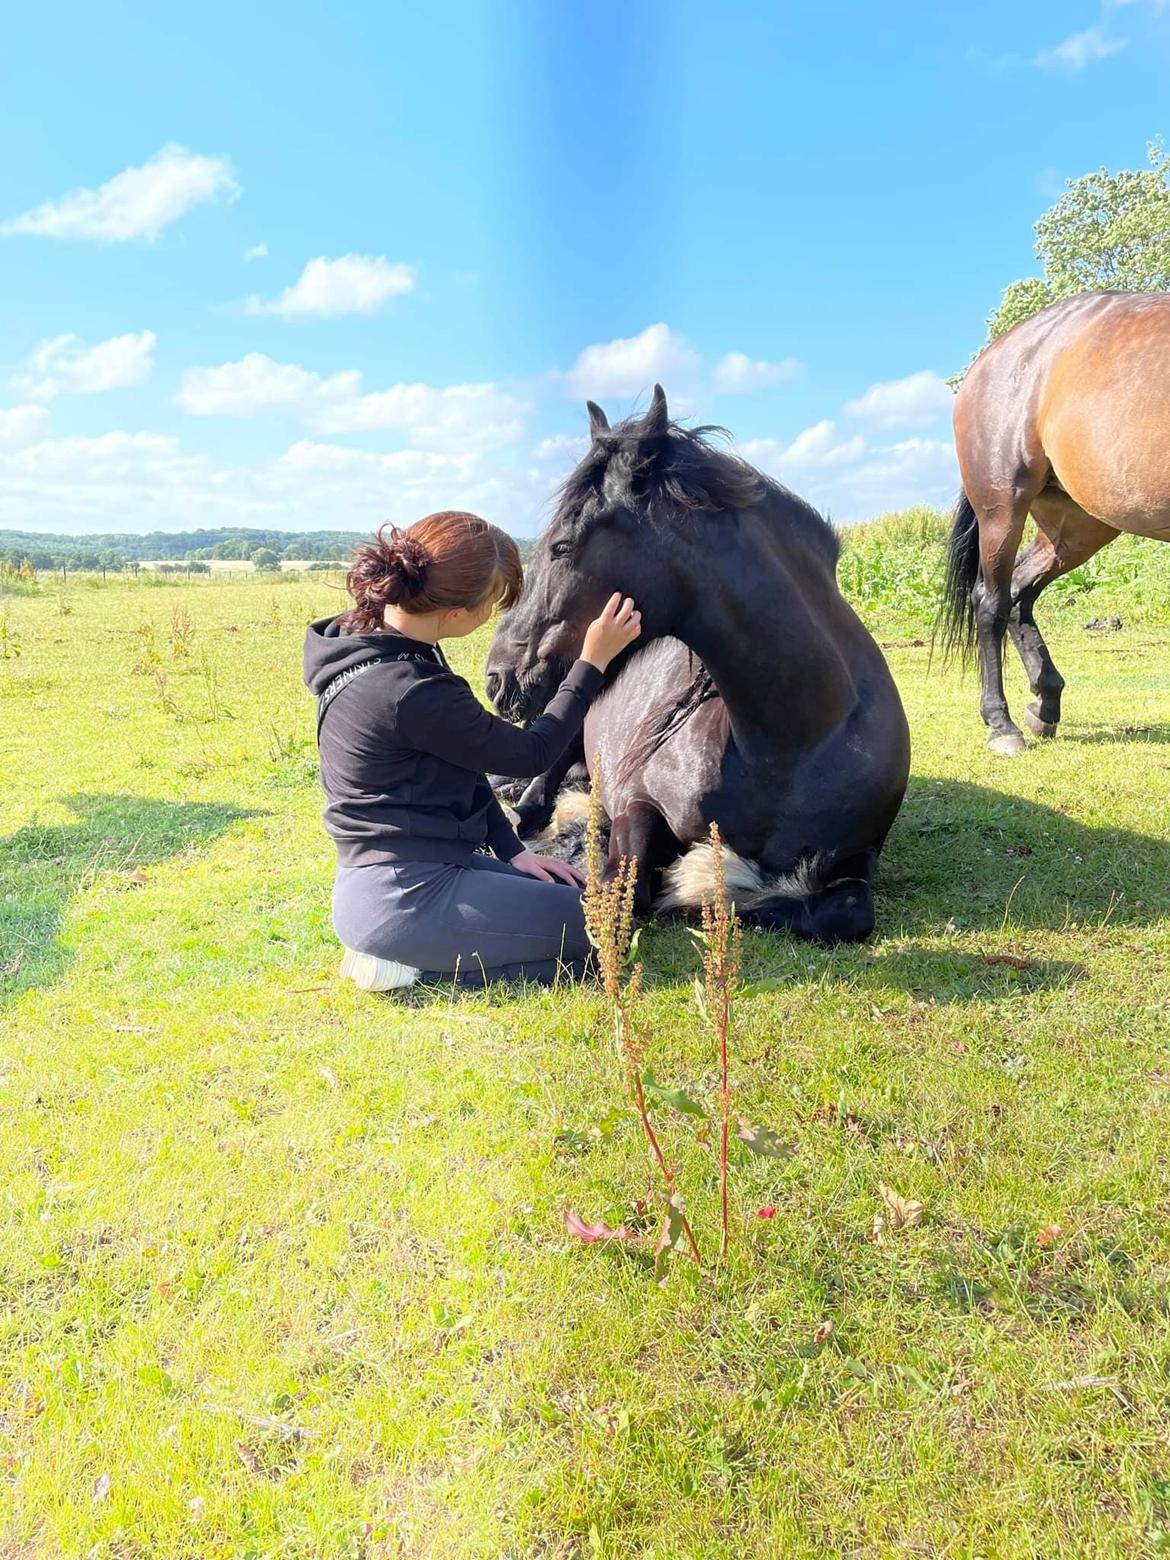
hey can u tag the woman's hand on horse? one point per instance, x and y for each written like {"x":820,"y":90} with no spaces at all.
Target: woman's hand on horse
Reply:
{"x":617,"y":625}
{"x":548,"y":869}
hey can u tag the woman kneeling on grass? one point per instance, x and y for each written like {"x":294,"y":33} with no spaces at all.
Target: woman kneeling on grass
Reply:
{"x":404,"y":746}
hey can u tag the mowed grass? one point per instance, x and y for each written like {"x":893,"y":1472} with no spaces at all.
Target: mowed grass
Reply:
{"x":283,"y":1266}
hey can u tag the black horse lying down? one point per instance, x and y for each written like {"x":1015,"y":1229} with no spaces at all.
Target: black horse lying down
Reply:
{"x":755,"y":697}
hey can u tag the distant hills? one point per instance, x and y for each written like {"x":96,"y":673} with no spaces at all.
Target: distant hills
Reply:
{"x":115,"y":549}
{"x":46,"y":551}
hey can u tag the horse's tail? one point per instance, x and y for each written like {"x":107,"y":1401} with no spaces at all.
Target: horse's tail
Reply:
{"x":955,"y":623}
{"x":565,"y":836}
{"x":810,"y":900}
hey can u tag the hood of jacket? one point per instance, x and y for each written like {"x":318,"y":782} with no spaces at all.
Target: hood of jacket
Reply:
{"x":329,"y":649}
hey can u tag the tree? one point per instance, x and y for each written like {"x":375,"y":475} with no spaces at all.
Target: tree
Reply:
{"x":1019,"y":302}
{"x":1108,"y":230}
{"x":266,"y":558}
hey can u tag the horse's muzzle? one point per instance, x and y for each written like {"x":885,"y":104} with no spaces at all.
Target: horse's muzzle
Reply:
{"x":494,"y":685}
{"x":523,"y":696}
{"x":503,"y":689}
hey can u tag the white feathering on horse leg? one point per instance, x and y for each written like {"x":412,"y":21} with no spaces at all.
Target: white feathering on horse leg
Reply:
{"x":572,"y":808}
{"x":570,"y":818}
{"x":691,"y":880}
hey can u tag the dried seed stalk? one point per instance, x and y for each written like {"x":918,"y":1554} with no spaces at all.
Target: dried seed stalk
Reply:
{"x":722,"y":946}
{"x":609,"y":919}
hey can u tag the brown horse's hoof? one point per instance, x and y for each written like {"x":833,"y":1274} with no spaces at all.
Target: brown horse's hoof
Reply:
{"x":1008,"y":744}
{"x":1038,"y":727}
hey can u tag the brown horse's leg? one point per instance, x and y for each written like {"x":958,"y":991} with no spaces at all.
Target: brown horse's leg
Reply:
{"x":1001,"y":524}
{"x":1068,"y":537}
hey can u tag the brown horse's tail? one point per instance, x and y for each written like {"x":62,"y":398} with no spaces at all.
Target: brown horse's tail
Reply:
{"x":954,"y":626}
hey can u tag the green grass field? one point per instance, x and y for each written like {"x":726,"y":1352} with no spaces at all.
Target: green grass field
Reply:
{"x":283,"y":1267}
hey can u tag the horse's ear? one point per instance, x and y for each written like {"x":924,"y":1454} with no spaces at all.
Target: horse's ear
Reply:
{"x":657,"y":419}
{"x":598,"y":421}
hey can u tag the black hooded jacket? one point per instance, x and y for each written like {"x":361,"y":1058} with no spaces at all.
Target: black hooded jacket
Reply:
{"x":404,"y":744}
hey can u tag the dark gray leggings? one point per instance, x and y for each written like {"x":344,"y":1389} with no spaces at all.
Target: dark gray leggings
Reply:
{"x":474,"y":924}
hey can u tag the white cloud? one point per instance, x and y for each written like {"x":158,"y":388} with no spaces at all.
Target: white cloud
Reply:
{"x":21,"y":425}
{"x":309,"y":458}
{"x":819,"y":445}
{"x":351,"y":284}
{"x":136,"y":203}
{"x":913,"y":402}
{"x":100,"y":454}
{"x":115,"y":481}
{"x":736,"y":372}
{"x":450,"y":417}
{"x":851,"y":479}
{"x":64,"y":365}
{"x":1080,"y":49}
{"x":454,"y":416}
{"x":913,"y":471}
{"x":257,"y":252}
{"x":143,"y":481}
{"x":562,"y":447}
{"x":334,"y":485}
{"x":139,"y":481}
{"x":762,"y":453}
{"x":257,"y":383}
{"x":631,"y":364}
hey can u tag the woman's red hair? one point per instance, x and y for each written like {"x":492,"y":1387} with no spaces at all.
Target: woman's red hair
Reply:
{"x":448,"y":560}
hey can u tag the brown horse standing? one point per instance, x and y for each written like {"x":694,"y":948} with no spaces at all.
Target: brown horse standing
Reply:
{"x":1066,"y":417}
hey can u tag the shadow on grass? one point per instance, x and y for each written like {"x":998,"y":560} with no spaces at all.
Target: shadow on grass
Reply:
{"x":962,"y":856}
{"x":984,"y":859}
{"x":1155,"y":732}
{"x":41,"y":868}
{"x":974,"y":859}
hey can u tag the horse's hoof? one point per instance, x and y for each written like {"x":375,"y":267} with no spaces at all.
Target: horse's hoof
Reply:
{"x":1038,"y":727}
{"x":1008,"y":744}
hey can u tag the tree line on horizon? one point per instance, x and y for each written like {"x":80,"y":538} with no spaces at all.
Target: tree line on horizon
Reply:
{"x":117,"y":551}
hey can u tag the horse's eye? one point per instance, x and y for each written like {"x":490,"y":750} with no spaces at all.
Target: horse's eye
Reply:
{"x":560,"y":549}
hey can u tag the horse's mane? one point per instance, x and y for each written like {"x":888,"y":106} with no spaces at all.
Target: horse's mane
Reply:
{"x":681,"y":472}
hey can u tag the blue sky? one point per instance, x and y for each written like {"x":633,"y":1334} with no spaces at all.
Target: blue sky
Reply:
{"x":324,"y":266}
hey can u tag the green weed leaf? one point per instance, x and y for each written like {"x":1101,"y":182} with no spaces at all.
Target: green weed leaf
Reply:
{"x":670,"y":1236}
{"x":701,"y":1001}
{"x":757,"y":988}
{"x":675,"y":1098}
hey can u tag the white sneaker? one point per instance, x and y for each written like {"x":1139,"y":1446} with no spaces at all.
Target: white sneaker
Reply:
{"x":370,"y":973}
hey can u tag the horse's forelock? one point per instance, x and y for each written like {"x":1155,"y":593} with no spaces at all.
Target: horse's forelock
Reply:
{"x":674,"y":474}
{"x":668,"y":468}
